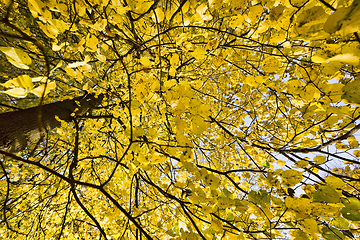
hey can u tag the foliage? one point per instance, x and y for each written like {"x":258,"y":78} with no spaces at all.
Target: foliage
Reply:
{"x":230,"y":119}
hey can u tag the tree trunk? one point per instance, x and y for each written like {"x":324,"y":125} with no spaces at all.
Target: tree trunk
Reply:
{"x":20,"y":128}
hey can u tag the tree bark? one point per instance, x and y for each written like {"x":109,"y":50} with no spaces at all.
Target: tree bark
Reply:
{"x":20,"y":128}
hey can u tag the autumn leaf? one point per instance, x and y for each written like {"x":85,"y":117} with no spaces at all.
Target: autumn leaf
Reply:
{"x":17,"y":57}
{"x":147,"y":119}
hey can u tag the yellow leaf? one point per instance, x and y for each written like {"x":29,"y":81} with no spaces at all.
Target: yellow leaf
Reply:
{"x":199,"y":53}
{"x":318,"y":58}
{"x":309,"y":24}
{"x":357,"y":153}
{"x":212,"y":44}
{"x":255,"y":13}
{"x":353,"y":143}
{"x":281,"y":163}
{"x":271,"y":64}
{"x":10,"y":83}
{"x":334,"y":182}
{"x":91,"y":43}
{"x":297,"y":3}
{"x":250,"y":80}
{"x":301,"y":206}
{"x":287,"y":44}
{"x":320,"y":159}
{"x":56,"y":47}
{"x":155,"y":86}
{"x":346,"y":58}
{"x":310,"y":226}
{"x":169,"y":84}
{"x":145,"y":61}
{"x":203,"y":12}
{"x":49,"y":29}
{"x":86,"y":86}
{"x":122,"y":10}
{"x":36,"y":7}
{"x":25,"y":82}
{"x":172,"y":71}
{"x":216,"y":3}
{"x":267,"y":212}
{"x":310,"y":93}
{"x":99,"y":25}
{"x":101,"y":57}
{"x":302,"y":164}
{"x":204,"y":110}
{"x":216,"y":224}
{"x":299,"y":235}
{"x":140,"y":6}
{"x":182,"y":38}
{"x":159,"y":15}
{"x":218,"y":60}
{"x":78,"y":64}
{"x":263,"y":27}
{"x":71,"y":72}
{"x":39,"y":79}
{"x":174,"y":59}
{"x":60,"y":25}
{"x":333,"y":23}
{"x":237,"y":21}
{"x":17,"y":57}
{"x":16,"y":92}
{"x":254,"y":81}
{"x":40,"y":90}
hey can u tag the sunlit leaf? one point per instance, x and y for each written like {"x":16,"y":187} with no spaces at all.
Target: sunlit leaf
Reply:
{"x":320,"y":159}
{"x":39,"y":91}
{"x":208,"y":119}
{"x":331,"y":233}
{"x":261,"y":197}
{"x":326,"y":194}
{"x":350,"y":214}
{"x":17,"y":57}
{"x":16,"y":92}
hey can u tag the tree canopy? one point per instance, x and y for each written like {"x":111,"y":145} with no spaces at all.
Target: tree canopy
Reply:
{"x":208,"y":119}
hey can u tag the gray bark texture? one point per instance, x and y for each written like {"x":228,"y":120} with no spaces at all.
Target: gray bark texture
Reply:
{"x":18,"y":129}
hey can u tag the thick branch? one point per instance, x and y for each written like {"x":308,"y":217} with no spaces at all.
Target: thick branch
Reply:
{"x":20,"y":128}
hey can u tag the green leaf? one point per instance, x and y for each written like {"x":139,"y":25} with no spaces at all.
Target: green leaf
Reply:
{"x":351,"y":92}
{"x":261,"y":197}
{"x":266,"y":164}
{"x":326,"y":194}
{"x":351,"y":203}
{"x":333,"y":23}
{"x":344,"y":19}
{"x":350,"y":214}
{"x":340,"y":223}
{"x":291,"y":177}
{"x":331,"y":233}
{"x":16,"y":57}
